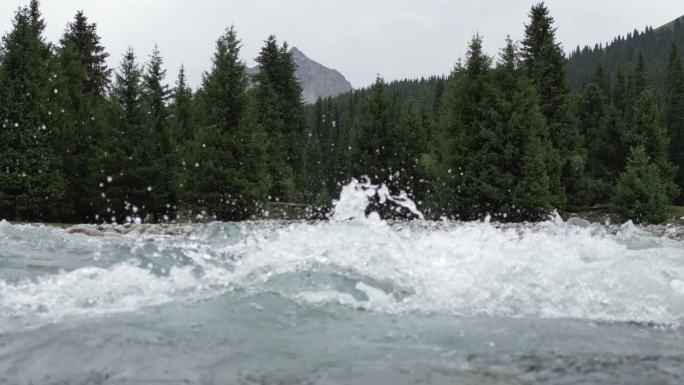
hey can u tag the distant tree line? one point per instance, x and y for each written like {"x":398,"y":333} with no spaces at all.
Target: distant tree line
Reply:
{"x":503,"y":137}
{"x":622,"y":53}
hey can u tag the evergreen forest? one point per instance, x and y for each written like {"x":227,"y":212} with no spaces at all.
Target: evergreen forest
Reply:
{"x":514,"y":137}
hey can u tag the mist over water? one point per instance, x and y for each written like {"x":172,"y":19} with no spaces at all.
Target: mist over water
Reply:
{"x":351,"y":300}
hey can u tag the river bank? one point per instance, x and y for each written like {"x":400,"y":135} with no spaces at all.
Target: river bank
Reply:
{"x":671,"y":231}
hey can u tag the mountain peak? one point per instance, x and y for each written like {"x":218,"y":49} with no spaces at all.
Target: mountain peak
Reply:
{"x":317,"y":80}
{"x":296,"y":51}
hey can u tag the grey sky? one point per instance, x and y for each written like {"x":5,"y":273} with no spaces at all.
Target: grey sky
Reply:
{"x":360,"y":38}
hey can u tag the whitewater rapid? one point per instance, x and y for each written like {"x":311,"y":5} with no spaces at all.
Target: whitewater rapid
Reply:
{"x":549,"y":271}
{"x":353,"y":267}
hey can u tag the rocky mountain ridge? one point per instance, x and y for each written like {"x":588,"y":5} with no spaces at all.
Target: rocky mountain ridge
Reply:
{"x":316,"y":79}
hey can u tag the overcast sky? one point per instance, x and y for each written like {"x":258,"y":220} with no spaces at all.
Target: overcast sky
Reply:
{"x":360,"y":38}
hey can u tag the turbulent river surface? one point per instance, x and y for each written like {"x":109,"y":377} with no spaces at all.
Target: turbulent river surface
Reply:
{"x":352,"y":300}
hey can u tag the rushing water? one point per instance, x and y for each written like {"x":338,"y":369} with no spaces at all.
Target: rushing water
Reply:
{"x":353,"y":300}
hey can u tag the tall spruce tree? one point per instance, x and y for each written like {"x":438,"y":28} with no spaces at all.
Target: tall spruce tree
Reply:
{"x":641,"y":124}
{"x":646,"y":129}
{"x":373,"y":145}
{"x":472,"y":147}
{"x":83,"y":82}
{"x":161,"y":200}
{"x":410,"y":137}
{"x":674,"y":114}
{"x":638,"y":81}
{"x":602,"y":138}
{"x":280,"y":114}
{"x":316,"y":182}
{"x":322,"y":170}
{"x":126,"y":188}
{"x":526,"y":150}
{"x":183,"y":132}
{"x":602,"y":80}
{"x":230,"y":178}
{"x":619,"y":92}
{"x":641,"y":193}
{"x":181,"y":111}
{"x":31,"y":180}
{"x":544,"y":62}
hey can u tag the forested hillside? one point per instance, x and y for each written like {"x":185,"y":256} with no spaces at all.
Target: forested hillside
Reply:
{"x":622,"y":52}
{"x":600,"y":136}
{"x":500,"y":136}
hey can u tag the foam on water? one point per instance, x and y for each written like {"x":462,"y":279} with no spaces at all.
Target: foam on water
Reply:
{"x":466,"y":269}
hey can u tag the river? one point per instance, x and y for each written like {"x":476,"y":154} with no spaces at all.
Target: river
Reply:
{"x":351,"y":300}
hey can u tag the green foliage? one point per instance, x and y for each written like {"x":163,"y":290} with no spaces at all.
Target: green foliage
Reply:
{"x":527,"y":153}
{"x":280,"y":114}
{"x":497,"y":154}
{"x":641,"y":193}
{"x":654,"y":137}
{"x":161,"y":202}
{"x":125,"y":158}
{"x":83,"y":79}
{"x":506,"y":139}
{"x":410,"y":143}
{"x":598,"y":124}
{"x":544,"y":63}
{"x":181,"y":111}
{"x":374,"y":140}
{"x":473,"y":141}
{"x":623,"y":52}
{"x":643,"y":127}
{"x":31,"y":180}
{"x":182,"y":126}
{"x":674,"y":114}
{"x":229,"y":181}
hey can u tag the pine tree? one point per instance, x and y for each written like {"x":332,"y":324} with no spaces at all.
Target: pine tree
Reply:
{"x":31,"y":180}
{"x":183,"y":132}
{"x":83,"y":81}
{"x":641,"y":194}
{"x":674,"y":114}
{"x":324,"y":153}
{"x":316,"y":181}
{"x":619,"y":92}
{"x":544,"y":62}
{"x":638,"y":81}
{"x":230,"y":179}
{"x":280,"y":114}
{"x":410,"y":142}
{"x":602,"y":138}
{"x":181,"y":111}
{"x":126,"y":187}
{"x":472,"y":141}
{"x":640,"y":123}
{"x":602,"y":80}
{"x":161,"y":201}
{"x":375,"y":157}
{"x":646,"y":129}
{"x":526,"y":150}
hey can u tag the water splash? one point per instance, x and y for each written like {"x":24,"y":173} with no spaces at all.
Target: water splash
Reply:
{"x":355,"y":198}
{"x":547,"y":270}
